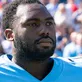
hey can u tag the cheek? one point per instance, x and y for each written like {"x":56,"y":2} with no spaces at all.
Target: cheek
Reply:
{"x":53,"y":32}
{"x":22,"y":32}
{"x":29,"y":37}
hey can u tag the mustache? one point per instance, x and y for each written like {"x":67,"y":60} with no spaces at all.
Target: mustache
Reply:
{"x":44,"y":37}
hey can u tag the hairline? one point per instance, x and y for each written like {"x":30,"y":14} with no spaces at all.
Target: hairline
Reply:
{"x":12,"y":13}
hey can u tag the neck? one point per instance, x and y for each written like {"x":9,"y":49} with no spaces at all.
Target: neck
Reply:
{"x":36,"y":68}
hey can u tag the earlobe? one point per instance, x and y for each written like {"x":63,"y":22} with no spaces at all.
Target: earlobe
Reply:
{"x":9,"y":34}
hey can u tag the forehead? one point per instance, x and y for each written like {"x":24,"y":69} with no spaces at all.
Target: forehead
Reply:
{"x":28,"y":11}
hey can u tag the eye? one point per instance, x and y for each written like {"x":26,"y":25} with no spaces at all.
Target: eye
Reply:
{"x":49,"y":23}
{"x":34,"y":24}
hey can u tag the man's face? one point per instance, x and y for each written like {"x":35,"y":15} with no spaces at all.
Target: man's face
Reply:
{"x":34,"y":32}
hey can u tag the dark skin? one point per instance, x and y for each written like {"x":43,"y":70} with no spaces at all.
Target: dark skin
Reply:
{"x":38,"y":69}
{"x":34,"y":21}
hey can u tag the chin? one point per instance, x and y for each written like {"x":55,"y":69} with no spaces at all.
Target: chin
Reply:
{"x":37,"y":55}
{"x":42,"y":55}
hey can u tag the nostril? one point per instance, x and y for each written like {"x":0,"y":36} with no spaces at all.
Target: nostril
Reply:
{"x":44,"y":32}
{"x":47,"y":33}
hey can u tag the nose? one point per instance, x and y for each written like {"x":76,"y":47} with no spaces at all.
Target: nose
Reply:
{"x":44,"y":31}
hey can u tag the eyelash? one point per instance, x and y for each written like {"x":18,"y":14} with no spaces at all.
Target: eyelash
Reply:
{"x":48,"y":23}
{"x":33,"y":25}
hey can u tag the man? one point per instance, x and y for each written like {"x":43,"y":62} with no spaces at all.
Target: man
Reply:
{"x":31,"y":29}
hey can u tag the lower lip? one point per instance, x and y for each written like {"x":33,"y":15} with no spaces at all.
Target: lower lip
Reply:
{"x":45,"y":44}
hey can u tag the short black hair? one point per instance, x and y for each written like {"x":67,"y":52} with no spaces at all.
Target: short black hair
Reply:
{"x":10,"y":10}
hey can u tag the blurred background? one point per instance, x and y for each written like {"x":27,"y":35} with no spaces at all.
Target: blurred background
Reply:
{"x":67,"y":15}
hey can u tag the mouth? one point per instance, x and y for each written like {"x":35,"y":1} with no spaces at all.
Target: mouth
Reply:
{"x":45,"y":42}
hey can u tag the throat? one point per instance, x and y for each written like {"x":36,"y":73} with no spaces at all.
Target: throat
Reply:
{"x":41,"y":70}
{"x":38,"y":69}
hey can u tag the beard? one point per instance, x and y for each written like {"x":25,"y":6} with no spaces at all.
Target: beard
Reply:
{"x":30,"y":52}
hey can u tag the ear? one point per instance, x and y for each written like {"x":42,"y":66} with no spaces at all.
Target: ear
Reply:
{"x":9,"y":34}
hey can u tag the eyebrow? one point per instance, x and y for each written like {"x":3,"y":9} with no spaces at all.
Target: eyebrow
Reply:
{"x":32,"y":19}
{"x":36,"y":19}
{"x":29,"y":20}
{"x":50,"y":18}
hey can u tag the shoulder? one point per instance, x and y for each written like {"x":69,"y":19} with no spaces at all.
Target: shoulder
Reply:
{"x":72,"y":61}
{"x":77,"y":60}
{"x":5,"y":58}
{"x":70,"y":69}
{"x":5,"y":63}
{"x":71,"y":65}
{"x":7,"y":67}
